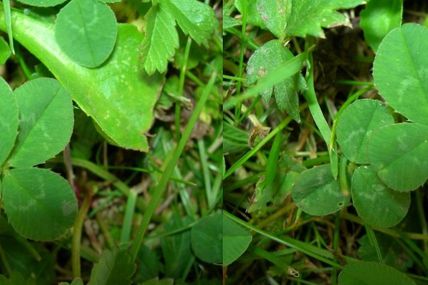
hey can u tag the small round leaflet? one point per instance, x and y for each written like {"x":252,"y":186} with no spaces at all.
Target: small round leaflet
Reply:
{"x":86,"y":31}
{"x":376,"y":204}
{"x":39,"y":204}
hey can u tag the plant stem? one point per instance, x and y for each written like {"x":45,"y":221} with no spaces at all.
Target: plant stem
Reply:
{"x":77,"y":235}
{"x":170,"y":165}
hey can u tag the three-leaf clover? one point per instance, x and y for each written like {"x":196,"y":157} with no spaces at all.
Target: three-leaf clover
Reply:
{"x":37,"y":122}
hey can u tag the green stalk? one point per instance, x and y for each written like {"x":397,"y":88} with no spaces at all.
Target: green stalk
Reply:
{"x":77,"y":236}
{"x":170,"y":165}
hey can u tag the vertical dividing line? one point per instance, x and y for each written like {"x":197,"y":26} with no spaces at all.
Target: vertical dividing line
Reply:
{"x":77,"y":235}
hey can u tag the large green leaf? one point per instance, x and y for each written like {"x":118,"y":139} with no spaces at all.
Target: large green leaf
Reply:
{"x":86,"y":31}
{"x":39,"y":204}
{"x":219,"y":240}
{"x":161,"y":40}
{"x":398,"y":154}
{"x":42,"y":3}
{"x":400,"y":71}
{"x":8,"y":120}
{"x":114,"y":267}
{"x":250,"y":7}
{"x":355,"y":126}
{"x":308,"y":17}
{"x":372,"y":273}
{"x":117,"y":95}
{"x":266,"y":60}
{"x":317,"y":193}
{"x":376,"y":204}
{"x":195,"y":18}
{"x":378,"y":18}
{"x":46,"y":121}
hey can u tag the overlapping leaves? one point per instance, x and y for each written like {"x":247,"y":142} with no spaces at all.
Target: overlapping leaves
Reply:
{"x":195,"y":19}
{"x":28,"y":192}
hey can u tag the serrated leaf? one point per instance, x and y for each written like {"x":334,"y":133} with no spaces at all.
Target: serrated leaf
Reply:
{"x":9,"y":120}
{"x":253,"y":16}
{"x":364,"y":272}
{"x":400,"y":71}
{"x":86,"y":30}
{"x":42,"y":3}
{"x":273,"y":14}
{"x":398,"y":154}
{"x":266,"y":60}
{"x":355,"y":126}
{"x":376,"y":204}
{"x":42,"y":103}
{"x":161,"y":40}
{"x":378,"y":18}
{"x":308,"y":17}
{"x":219,"y":240}
{"x":195,"y":18}
{"x":117,"y":95}
{"x":114,"y":267}
{"x":33,"y":192}
{"x":317,"y":193}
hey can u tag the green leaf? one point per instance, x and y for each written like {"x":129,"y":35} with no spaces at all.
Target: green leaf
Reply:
{"x":253,"y":16}
{"x":117,"y":95}
{"x":236,"y":240}
{"x":114,"y":267}
{"x":219,"y":240}
{"x":376,"y":204}
{"x":5,"y":52}
{"x":317,"y":193}
{"x":400,"y":71}
{"x":9,"y":120}
{"x":43,"y":105}
{"x":357,"y":273}
{"x":161,"y":40}
{"x":42,"y":3}
{"x":378,"y":18}
{"x":195,"y":18}
{"x":86,"y":31}
{"x":264,"y":62}
{"x":355,"y":126}
{"x":398,"y":154}
{"x":273,"y":14}
{"x":308,"y":17}
{"x":39,"y":204}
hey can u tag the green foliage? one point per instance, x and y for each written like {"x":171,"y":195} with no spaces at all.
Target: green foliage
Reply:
{"x":157,"y":48}
{"x":195,"y":19}
{"x":5,"y":52}
{"x":265,"y":61}
{"x":372,"y":273}
{"x":42,"y":3}
{"x":356,"y":125}
{"x":376,"y":204}
{"x":28,"y":192}
{"x":379,"y":18}
{"x":118,"y":86}
{"x":114,"y":267}
{"x":42,"y":103}
{"x":9,"y":120}
{"x":317,"y":193}
{"x":219,"y":240}
{"x":86,"y":31}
